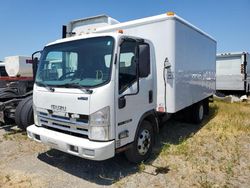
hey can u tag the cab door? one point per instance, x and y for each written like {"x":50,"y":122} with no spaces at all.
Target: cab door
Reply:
{"x":134,"y":91}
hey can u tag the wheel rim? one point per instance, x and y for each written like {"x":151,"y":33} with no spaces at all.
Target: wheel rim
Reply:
{"x":144,"y":142}
{"x":201,"y":112}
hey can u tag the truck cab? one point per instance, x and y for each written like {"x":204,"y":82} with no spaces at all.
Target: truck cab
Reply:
{"x":91,"y":93}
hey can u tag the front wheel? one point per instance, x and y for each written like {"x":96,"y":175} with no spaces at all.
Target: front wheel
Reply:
{"x":142,"y":146}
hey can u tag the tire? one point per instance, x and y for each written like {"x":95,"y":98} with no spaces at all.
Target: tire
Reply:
{"x":24,"y":113}
{"x":198,"y":112}
{"x":142,"y":145}
{"x":27,"y":117}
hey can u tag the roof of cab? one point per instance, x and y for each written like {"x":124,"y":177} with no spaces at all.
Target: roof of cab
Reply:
{"x":84,"y":36}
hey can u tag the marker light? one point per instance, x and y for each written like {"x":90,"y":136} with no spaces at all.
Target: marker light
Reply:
{"x":120,"y":31}
{"x":170,"y":13}
{"x":161,"y":109}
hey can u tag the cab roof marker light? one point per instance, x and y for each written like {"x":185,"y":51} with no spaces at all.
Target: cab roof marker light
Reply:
{"x":120,"y":31}
{"x":170,"y":13}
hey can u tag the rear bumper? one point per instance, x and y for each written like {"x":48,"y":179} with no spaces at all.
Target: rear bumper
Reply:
{"x":81,"y":147}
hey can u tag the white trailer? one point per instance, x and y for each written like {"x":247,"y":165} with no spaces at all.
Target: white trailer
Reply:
{"x":233,"y":72}
{"x":110,"y":87}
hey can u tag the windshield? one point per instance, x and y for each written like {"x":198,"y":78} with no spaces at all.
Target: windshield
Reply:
{"x":85,"y":63}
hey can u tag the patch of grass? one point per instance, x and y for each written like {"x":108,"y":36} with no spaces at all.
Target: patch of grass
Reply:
{"x":182,"y":148}
{"x":204,"y":183}
{"x":14,"y":135}
{"x":218,"y":146}
{"x":166,"y":147}
{"x":229,"y":169}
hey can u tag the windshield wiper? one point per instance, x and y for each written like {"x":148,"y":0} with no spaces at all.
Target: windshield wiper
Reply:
{"x":46,"y":86}
{"x":78,"y":86}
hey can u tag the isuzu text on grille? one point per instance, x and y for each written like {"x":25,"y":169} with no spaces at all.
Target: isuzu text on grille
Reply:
{"x":59,"y":108}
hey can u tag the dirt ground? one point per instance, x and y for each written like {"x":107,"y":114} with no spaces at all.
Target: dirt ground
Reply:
{"x":213,"y":154}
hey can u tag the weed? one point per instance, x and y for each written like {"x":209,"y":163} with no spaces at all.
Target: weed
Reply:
{"x":7,"y":178}
{"x":166,"y":147}
{"x":204,"y":183}
{"x":15,"y":134}
{"x":141,"y":167}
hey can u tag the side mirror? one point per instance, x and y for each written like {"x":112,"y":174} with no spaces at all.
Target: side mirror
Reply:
{"x":35,"y":60}
{"x":144,"y":60}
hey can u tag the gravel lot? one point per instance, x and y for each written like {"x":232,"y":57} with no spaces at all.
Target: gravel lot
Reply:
{"x":186,"y":155}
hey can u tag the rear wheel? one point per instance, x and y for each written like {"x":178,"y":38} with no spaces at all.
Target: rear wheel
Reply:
{"x":198,"y":112}
{"x":142,"y":146}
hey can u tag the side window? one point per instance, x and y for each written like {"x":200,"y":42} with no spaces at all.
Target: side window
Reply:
{"x":55,"y":62}
{"x":144,"y":60}
{"x":127,"y":65}
{"x":72,"y":61}
{"x":53,"y":66}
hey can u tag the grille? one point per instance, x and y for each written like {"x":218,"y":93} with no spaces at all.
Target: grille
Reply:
{"x":69,"y":125}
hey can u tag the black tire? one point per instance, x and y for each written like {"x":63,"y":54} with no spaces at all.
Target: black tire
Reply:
{"x":198,"y":112}
{"x":24,"y":113}
{"x":138,"y":153}
{"x":27,"y":117}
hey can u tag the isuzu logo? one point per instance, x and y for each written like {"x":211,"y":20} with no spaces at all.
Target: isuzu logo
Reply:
{"x":58,"y":108}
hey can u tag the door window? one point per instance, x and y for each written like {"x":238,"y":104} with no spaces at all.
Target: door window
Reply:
{"x":127,"y":65}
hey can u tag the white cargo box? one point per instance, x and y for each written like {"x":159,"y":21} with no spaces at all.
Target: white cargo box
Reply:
{"x":89,"y":25}
{"x":190,"y":51}
{"x":17,"y":66}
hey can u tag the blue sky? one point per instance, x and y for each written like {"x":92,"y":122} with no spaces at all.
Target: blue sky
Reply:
{"x":26,"y":26}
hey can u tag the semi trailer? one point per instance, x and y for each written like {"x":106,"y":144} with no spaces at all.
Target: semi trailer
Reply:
{"x":16,"y":85}
{"x":233,"y":73}
{"x":105,"y":87}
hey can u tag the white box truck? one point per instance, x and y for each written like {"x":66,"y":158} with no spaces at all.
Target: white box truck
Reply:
{"x":104,"y":92}
{"x":233,"y":73}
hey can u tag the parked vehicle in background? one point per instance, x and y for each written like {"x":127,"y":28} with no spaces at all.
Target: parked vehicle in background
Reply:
{"x":105,"y":88}
{"x":16,"y":91}
{"x":2,"y":69}
{"x":233,"y":73}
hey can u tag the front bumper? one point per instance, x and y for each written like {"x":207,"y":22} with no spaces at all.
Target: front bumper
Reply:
{"x":81,"y":147}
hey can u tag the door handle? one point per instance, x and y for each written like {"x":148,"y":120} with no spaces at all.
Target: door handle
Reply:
{"x":150,"y":96}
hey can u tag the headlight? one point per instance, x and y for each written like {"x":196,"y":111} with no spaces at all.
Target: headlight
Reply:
{"x":99,"y":124}
{"x":35,"y":116}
